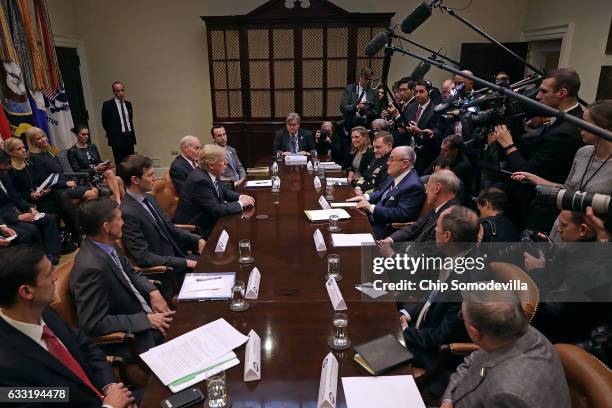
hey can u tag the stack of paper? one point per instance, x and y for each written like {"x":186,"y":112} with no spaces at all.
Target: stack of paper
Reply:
{"x":323,"y":215}
{"x":337,"y":181}
{"x":258,"y":183}
{"x":330,"y":166}
{"x":382,"y":392}
{"x":192,"y":357}
{"x":295,"y":159}
{"x":258,"y":171}
{"x":207,"y":286}
{"x":351,"y":240}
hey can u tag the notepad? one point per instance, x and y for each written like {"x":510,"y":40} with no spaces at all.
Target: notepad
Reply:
{"x":207,"y":286}
{"x":323,"y":215}
{"x":352,"y":240}
{"x":381,"y":354}
{"x":330,"y":166}
{"x":337,"y":181}
{"x":382,"y":392}
{"x":258,"y":183}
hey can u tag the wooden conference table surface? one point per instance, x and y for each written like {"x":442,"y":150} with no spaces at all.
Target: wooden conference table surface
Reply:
{"x":293,"y":313}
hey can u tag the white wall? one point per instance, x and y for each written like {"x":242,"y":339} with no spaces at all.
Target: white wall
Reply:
{"x":590,"y":24}
{"x":158,"y":48}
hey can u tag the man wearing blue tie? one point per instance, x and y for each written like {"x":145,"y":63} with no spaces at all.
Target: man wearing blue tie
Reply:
{"x":235,"y":172}
{"x":292,"y":139}
{"x":400,"y":199}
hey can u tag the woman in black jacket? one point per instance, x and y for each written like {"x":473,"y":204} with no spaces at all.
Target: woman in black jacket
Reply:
{"x":84,"y":156}
{"x":361,"y":154}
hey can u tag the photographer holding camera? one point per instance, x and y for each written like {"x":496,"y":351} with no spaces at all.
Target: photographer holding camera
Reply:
{"x":554,"y":149}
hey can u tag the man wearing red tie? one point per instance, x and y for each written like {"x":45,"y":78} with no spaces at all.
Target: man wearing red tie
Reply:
{"x":117,"y":121}
{"x":38,"y":348}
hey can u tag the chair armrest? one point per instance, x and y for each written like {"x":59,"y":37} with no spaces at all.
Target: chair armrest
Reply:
{"x":186,"y":227}
{"x":462,"y":349}
{"x":153,"y":269}
{"x":124,"y":338}
{"x":400,"y":225}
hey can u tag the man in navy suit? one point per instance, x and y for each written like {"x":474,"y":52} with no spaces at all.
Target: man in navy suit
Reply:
{"x":292,"y":139}
{"x":38,"y":348}
{"x":185,"y":162}
{"x":204,"y":198}
{"x":117,"y":121}
{"x":400,"y":199}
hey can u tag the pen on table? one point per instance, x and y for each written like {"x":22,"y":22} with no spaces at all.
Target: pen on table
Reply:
{"x":204,"y":290}
{"x":207,"y":279}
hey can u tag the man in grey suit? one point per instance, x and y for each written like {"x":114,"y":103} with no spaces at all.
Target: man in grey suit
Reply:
{"x":235,"y":171}
{"x":516,"y":366}
{"x":108,"y":294}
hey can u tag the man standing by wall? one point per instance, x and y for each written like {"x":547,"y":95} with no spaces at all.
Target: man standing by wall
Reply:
{"x":117,"y":121}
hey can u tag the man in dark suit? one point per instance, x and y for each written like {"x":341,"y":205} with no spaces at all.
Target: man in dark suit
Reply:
{"x":39,"y":349}
{"x":204,"y":198}
{"x":399,"y":127}
{"x":515,"y":366}
{"x":552,"y":153}
{"x":423,"y":126}
{"x":432,"y":321}
{"x":18,"y":217}
{"x":108,"y":294}
{"x":185,"y":162}
{"x":440,"y":192}
{"x":235,"y":173}
{"x":375,"y":175}
{"x":360,"y":104}
{"x":292,"y":139}
{"x":400,"y":199}
{"x":149,"y":237}
{"x":117,"y":121}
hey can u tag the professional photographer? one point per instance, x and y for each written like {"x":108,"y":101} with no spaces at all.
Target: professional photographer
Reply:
{"x":591,"y":169}
{"x":324,"y":139}
{"x":360,"y":103}
{"x":555,"y":147}
{"x":399,"y":130}
{"x":572,"y":279}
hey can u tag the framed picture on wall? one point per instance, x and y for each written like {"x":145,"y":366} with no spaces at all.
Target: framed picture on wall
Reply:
{"x":604,"y":89}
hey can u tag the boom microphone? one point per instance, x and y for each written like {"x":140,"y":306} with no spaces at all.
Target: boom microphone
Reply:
{"x":419,"y":71}
{"x":418,"y":16}
{"x":376,"y":44}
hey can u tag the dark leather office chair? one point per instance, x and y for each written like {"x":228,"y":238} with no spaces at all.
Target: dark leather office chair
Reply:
{"x":589,"y":380}
{"x":136,"y":374}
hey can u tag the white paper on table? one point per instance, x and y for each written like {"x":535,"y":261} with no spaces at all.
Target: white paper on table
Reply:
{"x":252,"y":358}
{"x":193,"y":351}
{"x":352,"y":240}
{"x":207,"y":286}
{"x":222,"y":243}
{"x":309,"y":166}
{"x":295,"y":159}
{"x":323,"y":215}
{"x":258,"y":183}
{"x":319,"y":241}
{"x":343,"y":205}
{"x":328,"y":386}
{"x":39,"y":215}
{"x":330,"y":166}
{"x":369,"y":290}
{"x":317,"y":182}
{"x":324,"y":203}
{"x":221,"y":364}
{"x":337,"y":181}
{"x":252,"y":290}
{"x":335,"y":296}
{"x":389,"y":391}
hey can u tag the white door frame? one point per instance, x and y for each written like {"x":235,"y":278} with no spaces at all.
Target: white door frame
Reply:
{"x":564,"y":32}
{"x":70,"y":41}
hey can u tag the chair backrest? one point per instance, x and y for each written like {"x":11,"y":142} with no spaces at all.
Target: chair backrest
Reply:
{"x":63,"y":303}
{"x":589,"y":380}
{"x":63,"y":159}
{"x":506,"y":272}
{"x":166,"y":195}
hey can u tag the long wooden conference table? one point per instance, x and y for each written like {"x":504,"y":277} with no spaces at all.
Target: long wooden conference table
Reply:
{"x":293,"y":313}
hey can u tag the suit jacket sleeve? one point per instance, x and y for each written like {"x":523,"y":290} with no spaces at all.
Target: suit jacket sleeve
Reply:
{"x":139,"y":280}
{"x":207,"y":199}
{"x":431,"y":338}
{"x":239,"y":166}
{"x":310,"y":144}
{"x":137,"y":245}
{"x":405,"y":233}
{"x":186,"y":239}
{"x":278,"y":142}
{"x":407,"y":208}
{"x":107,"y":116}
{"x":459,"y":373}
{"x":92,"y":303}
{"x":346,"y":103}
{"x":177,"y":176}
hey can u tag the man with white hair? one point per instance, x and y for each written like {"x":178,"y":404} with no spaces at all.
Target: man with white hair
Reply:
{"x":400,"y":199}
{"x":186,"y":161}
{"x":204,"y":199}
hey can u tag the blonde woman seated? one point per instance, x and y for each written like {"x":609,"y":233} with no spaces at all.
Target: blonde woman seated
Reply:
{"x":361,"y":154}
{"x":42,"y":155}
{"x":84,"y":156}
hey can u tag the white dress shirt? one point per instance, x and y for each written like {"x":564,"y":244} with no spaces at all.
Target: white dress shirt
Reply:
{"x":125,"y":115}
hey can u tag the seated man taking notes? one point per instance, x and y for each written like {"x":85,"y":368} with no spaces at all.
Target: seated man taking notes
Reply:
{"x":401,"y":197}
{"x":204,"y":199}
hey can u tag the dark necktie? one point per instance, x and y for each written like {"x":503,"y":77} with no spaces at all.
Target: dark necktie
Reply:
{"x":218,"y":188}
{"x":163,"y":227}
{"x":60,"y":352}
{"x":293,"y":144}
{"x":145,"y":306}
{"x":123,"y":118}
{"x":418,"y":114}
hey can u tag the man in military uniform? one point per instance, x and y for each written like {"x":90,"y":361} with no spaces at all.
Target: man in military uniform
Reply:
{"x":376,"y":173}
